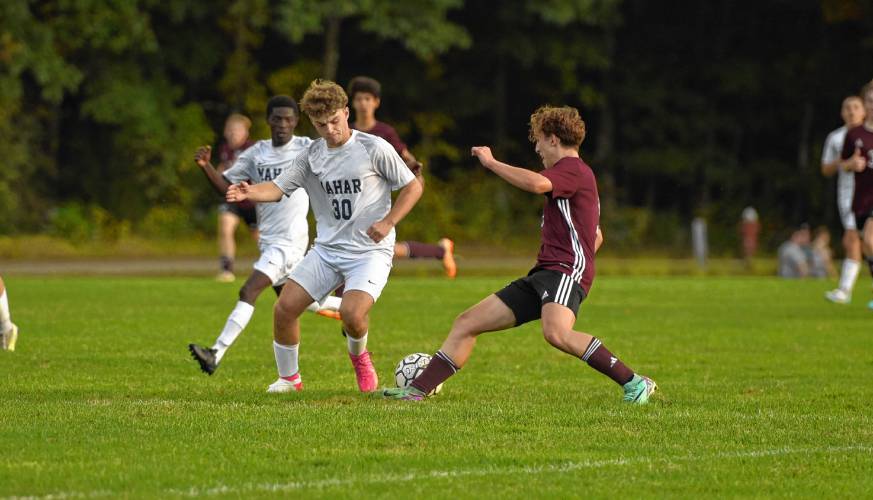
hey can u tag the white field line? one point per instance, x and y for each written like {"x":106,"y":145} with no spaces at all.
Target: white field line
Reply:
{"x":450,"y":473}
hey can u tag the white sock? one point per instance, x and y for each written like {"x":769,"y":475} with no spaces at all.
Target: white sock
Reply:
{"x":286,"y":359}
{"x":849,"y":275}
{"x":357,"y":346}
{"x":236,"y":323}
{"x":330,"y":303}
{"x":5,"y":319}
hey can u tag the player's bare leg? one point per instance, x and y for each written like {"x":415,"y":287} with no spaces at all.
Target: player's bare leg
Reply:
{"x":850,"y":268}
{"x":558,"y":322}
{"x":227,"y":224}
{"x":286,"y":336}
{"x":444,"y":250}
{"x":355,"y":312}
{"x":489,"y":315}
{"x":8,"y":330}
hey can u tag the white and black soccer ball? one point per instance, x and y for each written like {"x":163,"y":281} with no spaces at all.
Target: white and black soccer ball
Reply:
{"x":410,"y":367}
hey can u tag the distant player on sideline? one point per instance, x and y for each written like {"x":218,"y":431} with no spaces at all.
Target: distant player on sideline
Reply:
{"x":236,"y":140}
{"x":284,"y":231}
{"x":8,"y":330}
{"x":858,"y":153}
{"x":366,"y":96}
{"x":349,"y":176}
{"x":564,"y":272}
{"x":852,"y":112}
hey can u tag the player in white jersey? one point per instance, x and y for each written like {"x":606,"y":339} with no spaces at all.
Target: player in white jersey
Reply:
{"x":349,"y":176}
{"x":284,"y":231}
{"x":8,"y":330}
{"x":852,"y":113}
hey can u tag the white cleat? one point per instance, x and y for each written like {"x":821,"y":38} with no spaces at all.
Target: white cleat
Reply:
{"x":838,"y":296}
{"x":282,"y":385}
{"x":9,"y":337}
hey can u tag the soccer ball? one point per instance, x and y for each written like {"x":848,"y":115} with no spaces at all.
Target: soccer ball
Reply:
{"x":411,"y":367}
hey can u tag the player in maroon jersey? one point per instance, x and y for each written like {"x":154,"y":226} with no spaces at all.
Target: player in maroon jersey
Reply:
{"x":858,"y":156}
{"x":554,"y":289}
{"x":366,"y":96}
{"x":236,"y":140}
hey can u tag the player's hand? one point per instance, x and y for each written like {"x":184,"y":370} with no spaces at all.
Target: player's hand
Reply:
{"x":203,"y":156}
{"x":483,"y":153}
{"x":857,"y":162}
{"x":378,"y":231}
{"x":237,"y":192}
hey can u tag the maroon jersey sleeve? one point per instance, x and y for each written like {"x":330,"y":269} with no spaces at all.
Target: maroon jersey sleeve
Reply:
{"x":564,"y":178}
{"x":388,"y":133}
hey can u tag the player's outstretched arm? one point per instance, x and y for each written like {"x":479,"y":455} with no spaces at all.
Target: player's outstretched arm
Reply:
{"x":598,"y":239}
{"x":261,"y":192}
{"x":521,"y":178}
{"x":203,"y":160}
{"x":406,"y":199}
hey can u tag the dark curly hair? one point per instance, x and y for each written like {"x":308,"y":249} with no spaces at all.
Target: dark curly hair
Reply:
{"x":564,"y":122}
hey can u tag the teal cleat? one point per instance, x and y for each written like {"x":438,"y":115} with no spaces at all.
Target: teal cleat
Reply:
{"x":404,"y":393}
{"x":639,"y":389}
{"x":870,"y":305}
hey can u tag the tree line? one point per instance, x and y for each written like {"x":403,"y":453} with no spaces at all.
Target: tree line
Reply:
{"x":692,"y":108}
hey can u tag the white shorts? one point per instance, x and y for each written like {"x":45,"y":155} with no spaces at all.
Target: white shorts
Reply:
{"x":848,"y":220}
{"x":845,"y":193}
{"x":321,"y":271}
{"x":277,"y":262}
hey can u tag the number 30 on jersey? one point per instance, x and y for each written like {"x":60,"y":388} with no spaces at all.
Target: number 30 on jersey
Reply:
{"x":342,"y":209}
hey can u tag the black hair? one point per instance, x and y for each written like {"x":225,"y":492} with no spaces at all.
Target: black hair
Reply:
{"x":282,"y":101}
{"x":364,"y":84}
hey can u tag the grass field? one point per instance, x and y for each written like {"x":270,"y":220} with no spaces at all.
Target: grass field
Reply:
{"x":764,"y":391}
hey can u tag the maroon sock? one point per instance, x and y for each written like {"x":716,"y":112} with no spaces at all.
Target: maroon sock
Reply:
{"x":226,"y":263}
{"x":598,"y":357}
{"x":869,"y":264}
{"x":418,"y":250}
{"x":440,"y":368}
{"x":339,"y":290}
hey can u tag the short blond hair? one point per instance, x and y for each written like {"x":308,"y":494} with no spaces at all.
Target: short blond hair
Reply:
{"x":323,"y":97}
{"x":564,"y":122}
{"x":239,"y":118}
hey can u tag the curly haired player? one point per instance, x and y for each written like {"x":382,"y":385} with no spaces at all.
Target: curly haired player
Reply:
{"x":554,"y":289}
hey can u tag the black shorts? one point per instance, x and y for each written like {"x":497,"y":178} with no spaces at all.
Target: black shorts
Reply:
{"x":527,"y":296}
{"x":248,"y":215}
{"x":861,"y":219}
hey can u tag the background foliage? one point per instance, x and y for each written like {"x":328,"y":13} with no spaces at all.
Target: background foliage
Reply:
{"x":693,"y":108}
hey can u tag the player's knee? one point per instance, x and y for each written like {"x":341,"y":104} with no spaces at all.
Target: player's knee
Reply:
{"x":554,"y":336}
{"x":354,"y":322}
{"x":284,"y":312}
{"x":465,"y":325}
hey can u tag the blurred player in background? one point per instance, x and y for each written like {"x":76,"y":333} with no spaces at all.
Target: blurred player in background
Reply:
{"x":236,"y":140}
{"x":858,"y":153}
{"x":555,"y":288}
{"x":284,"y":231}
{"x":8,"y":330}
{"x":366,"y":96}
{"x":349,"y":176}
{"x":852,"y":112}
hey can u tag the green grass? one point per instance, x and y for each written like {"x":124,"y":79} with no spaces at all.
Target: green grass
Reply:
{"x":764,"y":392}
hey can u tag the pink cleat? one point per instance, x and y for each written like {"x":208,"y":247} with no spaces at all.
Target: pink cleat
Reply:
{"x":368,"y":381}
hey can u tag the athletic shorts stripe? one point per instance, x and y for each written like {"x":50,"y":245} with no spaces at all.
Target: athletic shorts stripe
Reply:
{"x":579,"y":262}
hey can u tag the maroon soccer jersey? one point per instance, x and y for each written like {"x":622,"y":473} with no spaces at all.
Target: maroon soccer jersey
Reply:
{"x":571,"y":214}
{"x":861,"y":137}
{"x":388,"y":133}
{"x":226,"y":159}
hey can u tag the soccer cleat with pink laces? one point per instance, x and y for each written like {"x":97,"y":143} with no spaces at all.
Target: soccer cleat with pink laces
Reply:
{"x":290,"y":384}
{"x":368,"y":381}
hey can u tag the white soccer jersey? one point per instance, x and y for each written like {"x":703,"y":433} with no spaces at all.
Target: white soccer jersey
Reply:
{"x":349,"y":188}
{"x":283,"y":222}
{"x":833,"y":148}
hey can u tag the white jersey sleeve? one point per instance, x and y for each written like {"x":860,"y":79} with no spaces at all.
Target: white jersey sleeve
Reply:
{"x":833,"y":146}
{"x":295,"y":175}
{"x":242,"y":169}
{"x":388,"y":164}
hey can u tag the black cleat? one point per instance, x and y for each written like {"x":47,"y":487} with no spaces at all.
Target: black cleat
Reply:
{"x":205,"y":356}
